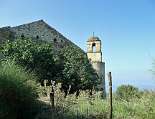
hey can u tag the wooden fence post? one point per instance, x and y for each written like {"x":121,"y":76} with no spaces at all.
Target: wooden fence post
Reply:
{"x":52,"y":94}
{"x":110,"y":95}
{"x":45,"y":82}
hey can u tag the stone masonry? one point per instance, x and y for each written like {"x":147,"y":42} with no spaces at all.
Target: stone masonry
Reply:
{"x":94,"y":54}
{"x":41,"y":30}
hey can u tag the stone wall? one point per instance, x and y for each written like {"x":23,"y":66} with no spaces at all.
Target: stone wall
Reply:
{"x":95,"y":57}
{"x":40,"y":30}
{"x":94,"y":54}
{"x":100,"y":69}
{"x":6,"y":34}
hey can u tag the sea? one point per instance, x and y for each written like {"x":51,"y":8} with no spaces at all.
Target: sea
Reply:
{"x":144,"y":81}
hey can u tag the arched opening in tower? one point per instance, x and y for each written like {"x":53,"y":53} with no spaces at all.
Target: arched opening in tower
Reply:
{"x":94,"y":47}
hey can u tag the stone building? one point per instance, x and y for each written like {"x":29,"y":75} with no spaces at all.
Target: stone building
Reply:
{"x":94,"y":54}
{"x":41,"y":30}
{"x":38,"y":30}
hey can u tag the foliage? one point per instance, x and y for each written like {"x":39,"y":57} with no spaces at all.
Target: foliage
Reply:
{"x":70,"y":66}
{"x":97,"y":108}
{"x":127,"y":92}
{"x":78,"y":72}
{"x":5,"y":34}
{"x":136,"y":108}
{"x":36,"y":56}
{"x":18,"y":92}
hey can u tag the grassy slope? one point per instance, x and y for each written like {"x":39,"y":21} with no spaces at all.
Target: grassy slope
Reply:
{"x":96,"y":108}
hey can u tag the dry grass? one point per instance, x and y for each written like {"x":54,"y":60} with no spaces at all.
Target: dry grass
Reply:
{"x":96,"y":108}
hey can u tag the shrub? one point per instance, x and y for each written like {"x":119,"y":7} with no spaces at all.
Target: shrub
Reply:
{"x":81,"y":108}
{"x":69,"y":66}
{"x":36,"y":56}
{"x":18,"y":92}
{"x":127,"y":92}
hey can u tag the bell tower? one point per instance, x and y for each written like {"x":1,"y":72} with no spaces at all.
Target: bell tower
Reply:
{"x":94,"y":54}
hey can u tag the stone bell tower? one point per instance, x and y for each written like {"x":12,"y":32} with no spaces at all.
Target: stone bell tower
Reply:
{"x":94,"y":54}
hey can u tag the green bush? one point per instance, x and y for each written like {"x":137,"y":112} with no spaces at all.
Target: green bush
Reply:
{"x":36,"y":56}
{"x":70,"y":65}
{"x":18,"y":92}
{"x":127,"y":92}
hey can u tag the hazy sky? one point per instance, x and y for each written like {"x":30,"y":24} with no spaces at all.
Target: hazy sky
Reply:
{"x":126,"y":28}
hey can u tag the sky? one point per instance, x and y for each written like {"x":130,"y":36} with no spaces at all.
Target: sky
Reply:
{"x":125,"y":27}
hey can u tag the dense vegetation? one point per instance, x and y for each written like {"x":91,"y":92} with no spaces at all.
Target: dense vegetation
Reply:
{"x":18,"y":92}
{"x":18,"y":87}
{"x":26,"y":63}
{"x":127,"y":92}
{"x":68,"y":66}
{"x":78,"y":72}
{"x":86,"y":107}
{"x":35,"y":56}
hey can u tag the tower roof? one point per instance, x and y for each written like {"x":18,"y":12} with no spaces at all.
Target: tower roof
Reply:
{"x":93,"y":38}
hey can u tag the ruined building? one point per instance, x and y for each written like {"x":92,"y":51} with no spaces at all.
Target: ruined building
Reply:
{"x":36,"y":30}
{"x":41,"y":30}
{"x":94,"y":54}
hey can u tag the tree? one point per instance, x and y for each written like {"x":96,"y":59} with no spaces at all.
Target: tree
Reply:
{"x":127,"y":92}
{"x":70,"y":65}
{"x":36,"y":56}
{"x":78,"y":73}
